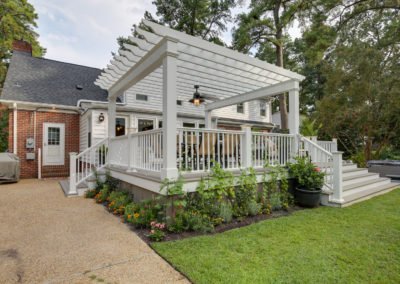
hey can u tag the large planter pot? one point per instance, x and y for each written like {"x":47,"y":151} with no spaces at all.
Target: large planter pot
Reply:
{"x":307,"y":198}
{"x":292,"y":184}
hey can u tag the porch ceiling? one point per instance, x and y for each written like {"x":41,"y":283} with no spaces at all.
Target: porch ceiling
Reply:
{"x":219,"y":71}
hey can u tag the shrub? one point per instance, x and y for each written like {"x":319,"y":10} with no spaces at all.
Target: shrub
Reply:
{"x":225,"y":212}
{"x":103,"y":194}
{"x":308,"y":175}
{"x":118,"y":200}
{"x":245,"y":192}
{"x":253,"y":208}
{"x":198,"y":222}
{"x":91,"y":193}
{"x":157,"y":233}
{"x":143,"y":213}
{"x":177,"y":224}
{"x":275,"y":193}
{"x":217,"y":188}
{"x":111,"y":182}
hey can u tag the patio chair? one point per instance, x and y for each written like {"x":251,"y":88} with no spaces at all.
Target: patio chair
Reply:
{"x":206,"y":148}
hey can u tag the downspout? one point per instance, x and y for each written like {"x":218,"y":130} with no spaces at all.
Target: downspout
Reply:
{"x":15,"y":129}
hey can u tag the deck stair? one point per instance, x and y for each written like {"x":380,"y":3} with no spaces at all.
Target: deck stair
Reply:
{"x":358,"y":185}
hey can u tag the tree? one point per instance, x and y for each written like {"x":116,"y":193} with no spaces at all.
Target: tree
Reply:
{"x":17,"y":21}
{"x":265,"y":26}
{"x":203,"y":18}
{"x":362,"y":99}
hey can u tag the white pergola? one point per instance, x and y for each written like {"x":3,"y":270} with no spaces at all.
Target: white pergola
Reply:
{"x":169,"y":63}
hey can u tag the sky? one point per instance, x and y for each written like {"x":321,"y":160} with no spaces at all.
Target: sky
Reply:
{"x":85,"y":31}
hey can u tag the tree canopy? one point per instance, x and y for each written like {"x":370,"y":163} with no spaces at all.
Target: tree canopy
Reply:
{"x":17,"y":21}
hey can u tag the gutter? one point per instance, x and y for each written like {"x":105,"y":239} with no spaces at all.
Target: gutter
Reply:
{"x":78,"y":104}
{"x":39,"y":105}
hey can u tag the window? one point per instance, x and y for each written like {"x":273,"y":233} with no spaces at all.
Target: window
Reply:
{"x":145,"y":124}
{"x":140,"y":97}
{"x":201,"y":125}
{"x":53,"y":136}
{"x":160,"y":124}
{"x":240,"y":108}
{"x":120,"y":126}
{"x":179,"y":102}
{"x":263,"y":108}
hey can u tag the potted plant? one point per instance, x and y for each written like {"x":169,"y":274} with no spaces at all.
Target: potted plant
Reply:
{"x":310,"y":180}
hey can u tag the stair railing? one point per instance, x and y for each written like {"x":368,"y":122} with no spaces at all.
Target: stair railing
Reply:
{"x":83,"y":165}
{"x":321,"y":158}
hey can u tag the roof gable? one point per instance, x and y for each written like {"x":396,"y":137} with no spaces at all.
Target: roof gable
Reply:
{"x":39,"y":80}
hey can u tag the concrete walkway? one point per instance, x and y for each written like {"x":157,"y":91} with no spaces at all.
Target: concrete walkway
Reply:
{"x":48,"y":238}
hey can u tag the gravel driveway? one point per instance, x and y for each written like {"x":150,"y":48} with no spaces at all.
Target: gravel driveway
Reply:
{"x":48,"y":238}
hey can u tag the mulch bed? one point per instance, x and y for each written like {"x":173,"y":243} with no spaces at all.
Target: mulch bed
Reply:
{"x":236,"y":223}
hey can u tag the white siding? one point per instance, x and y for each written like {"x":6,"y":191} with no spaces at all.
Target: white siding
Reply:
{"x":83,"y":129}
{"x":154,"y":102}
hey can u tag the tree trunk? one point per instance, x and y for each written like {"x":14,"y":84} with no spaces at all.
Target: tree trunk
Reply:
{"x":279,"y":62}
{"x":282,"y":97}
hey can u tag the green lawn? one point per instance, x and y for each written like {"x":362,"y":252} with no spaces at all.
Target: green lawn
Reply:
{"x":358,"y":244}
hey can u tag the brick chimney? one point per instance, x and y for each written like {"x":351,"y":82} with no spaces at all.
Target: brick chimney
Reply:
{"x":21,"y":45}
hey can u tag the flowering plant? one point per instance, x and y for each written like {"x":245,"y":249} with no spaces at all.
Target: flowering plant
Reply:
{"x":157,"y":231}
{"x":308,"y":175}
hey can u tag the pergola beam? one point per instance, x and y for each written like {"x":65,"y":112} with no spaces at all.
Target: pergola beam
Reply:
{"x":268,"y":91}
{"x":146,"y":65}
{"x":220,"y":50}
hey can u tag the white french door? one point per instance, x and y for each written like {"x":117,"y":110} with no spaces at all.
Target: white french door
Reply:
{"x":53,"y":144}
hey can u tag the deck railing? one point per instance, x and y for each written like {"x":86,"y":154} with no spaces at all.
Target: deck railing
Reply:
{"x":142,"y":150}
{"x":319,"y":156}
{"x":83,"y":165}
{"x":330,"y":146}
{"x":200,"y":149}
{"x":272,"y":148}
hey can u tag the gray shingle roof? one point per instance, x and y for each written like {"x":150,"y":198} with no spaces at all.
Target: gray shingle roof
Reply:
{"x":47,"y":81}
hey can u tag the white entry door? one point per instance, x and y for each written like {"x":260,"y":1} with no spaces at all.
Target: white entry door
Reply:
{"x":53,"y":144}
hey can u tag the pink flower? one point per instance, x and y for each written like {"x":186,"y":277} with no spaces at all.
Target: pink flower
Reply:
{"x":317,"y":169}
{"x":153,"y":223}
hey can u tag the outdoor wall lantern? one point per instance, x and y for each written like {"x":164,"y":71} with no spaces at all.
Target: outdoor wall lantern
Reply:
{"x":101,"y":117}
{"x":197,"y":98}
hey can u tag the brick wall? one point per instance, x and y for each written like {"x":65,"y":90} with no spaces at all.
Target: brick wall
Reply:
{"x":29,"y":168}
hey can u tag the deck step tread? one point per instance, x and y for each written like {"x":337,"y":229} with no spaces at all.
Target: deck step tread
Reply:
{"x":371,"y":191}
{"x":359,"y":176}
{"x":351,"y":170}
{"x":364,"y":183}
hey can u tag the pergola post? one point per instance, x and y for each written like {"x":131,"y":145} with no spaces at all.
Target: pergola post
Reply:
{"x":294,"y":116}
{"x":207,"y":118}
{"x":294,"y":111}
{"x":112,"y":113}
{"x":169,"y":129}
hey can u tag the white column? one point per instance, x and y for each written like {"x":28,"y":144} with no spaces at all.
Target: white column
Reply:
{"x":112,"y":109}
{"x":208,"y":119}
{"x":337,"y":195}
{"x":335,"y":148}
{"x":294,"y":111}
{"x":72,"y":173}
{"x":246,"y":152}
{"x":294,"y":116}
{"x":169,"y":129}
